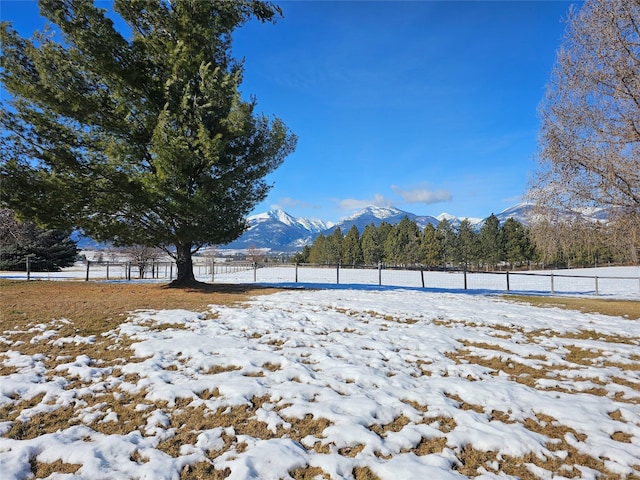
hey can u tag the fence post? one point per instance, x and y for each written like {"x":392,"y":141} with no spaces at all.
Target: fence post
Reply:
{"x":255,"y":270}
{"x":107,"y":269}
{"x":86,"y":278}
{"x":28,"y":268}
{"x":129,"y":271}
{"x":296,"y":272}
{"x":552,"y":287}
{"x":170,"y":271}
{"x":422,"y":275}
{"x":465,"y":276}
{"x":508,"y":286}
{"x":213,"y":268}
{"x":379,"y":273}
{"x":338,"y":273}
{"x":597,"y":293}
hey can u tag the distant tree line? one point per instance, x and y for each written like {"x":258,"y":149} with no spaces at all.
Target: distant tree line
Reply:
{"x":510,"y":244}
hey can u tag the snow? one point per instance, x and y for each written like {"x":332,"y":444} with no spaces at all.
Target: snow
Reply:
{"x":354,"y":356}
{"x":457,"y":220}
{"x":313,"y":225}
{"x":375,"y":211}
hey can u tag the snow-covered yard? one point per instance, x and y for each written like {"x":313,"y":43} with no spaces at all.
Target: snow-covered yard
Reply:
{"x":389,"y":383}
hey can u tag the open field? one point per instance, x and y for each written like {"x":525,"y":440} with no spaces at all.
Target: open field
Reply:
{"x":108,"y":380}
{"x":601,"y":282}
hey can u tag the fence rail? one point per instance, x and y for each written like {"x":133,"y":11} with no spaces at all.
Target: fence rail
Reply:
{"x":547,"y":282}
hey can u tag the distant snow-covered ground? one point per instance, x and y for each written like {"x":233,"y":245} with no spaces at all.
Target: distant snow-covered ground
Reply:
{"x":612,"y":282}
{"x":401,"y":381}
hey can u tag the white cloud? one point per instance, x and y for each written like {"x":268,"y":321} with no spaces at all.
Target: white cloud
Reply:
{"x":422,"y":195}
{"x":355,"y":204}
{"x":291,"y":202}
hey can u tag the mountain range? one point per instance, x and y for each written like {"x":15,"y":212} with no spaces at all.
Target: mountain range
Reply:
{"x":278,"y":231}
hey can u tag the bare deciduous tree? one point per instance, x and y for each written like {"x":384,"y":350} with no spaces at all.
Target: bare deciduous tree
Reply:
{"x":142,"y":257}
{"x":590,"y":120}
{"x":255,"y":254}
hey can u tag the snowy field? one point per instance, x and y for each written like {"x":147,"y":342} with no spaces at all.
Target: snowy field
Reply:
{"x":612,"y":282}
{"x":338,"y":383}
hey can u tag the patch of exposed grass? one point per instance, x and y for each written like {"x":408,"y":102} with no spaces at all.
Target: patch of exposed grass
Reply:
{"x":202,"y":471}
{"x":395,"y":426}
{"x":364,"y":473}
{"x":44,"y":470}
{"x":309,"y":473}
{"x":618,"y":308}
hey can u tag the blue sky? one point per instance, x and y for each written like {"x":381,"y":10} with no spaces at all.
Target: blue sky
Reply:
{"x":426,"y":106}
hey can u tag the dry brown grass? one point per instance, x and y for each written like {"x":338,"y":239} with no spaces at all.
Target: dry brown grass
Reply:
{"x":618,"y":308}
{"x":96,"y":307}
{"x":44,"y":470}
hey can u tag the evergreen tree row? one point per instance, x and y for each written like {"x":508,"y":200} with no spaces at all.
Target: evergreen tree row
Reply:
{"x":438,"y":246}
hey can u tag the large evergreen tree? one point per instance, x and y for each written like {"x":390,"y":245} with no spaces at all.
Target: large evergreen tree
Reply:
{"x":140,"y":140}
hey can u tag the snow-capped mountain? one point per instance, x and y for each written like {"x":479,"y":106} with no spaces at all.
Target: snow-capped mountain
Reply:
{"x":377,"y":215}
{"x":278,"y":231}
{"x":519,"y":212}
{"x":456,"y":221}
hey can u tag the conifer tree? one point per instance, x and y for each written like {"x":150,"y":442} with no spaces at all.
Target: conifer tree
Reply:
{"x":430,"y":251}
{"x":351,"y":249}
{"x":334,"y":246}
{"x":383,"y":231}
{"x":515,"y":241}
{"x":401,"y":245}
{"x":303,"y":255}
{"x":447,"y":237}
{"x":141,"y":140}
{"x":47,"y":250}
{"x":318,"y":251}
{"x":489,"y":239}
{"x":466,"y":243}
{"x":371,"y":247}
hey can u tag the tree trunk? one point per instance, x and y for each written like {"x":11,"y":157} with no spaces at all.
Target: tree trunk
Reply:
{"x":184,"y":263}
